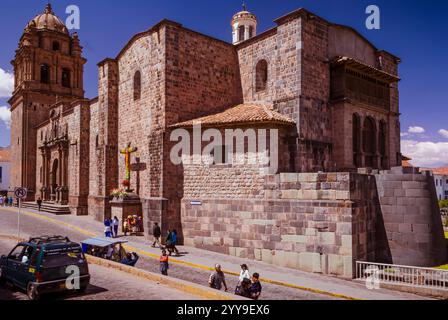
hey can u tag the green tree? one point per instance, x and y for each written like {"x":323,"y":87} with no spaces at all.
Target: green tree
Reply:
{"x":443,"y":204}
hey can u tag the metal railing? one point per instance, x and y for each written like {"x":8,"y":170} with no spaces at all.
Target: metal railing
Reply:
{"x":402,"y":275}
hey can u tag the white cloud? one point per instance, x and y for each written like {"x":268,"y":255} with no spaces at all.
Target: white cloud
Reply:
{"x":404,"y":134}
{"x":5,"y":116}
{"x":416,"y":130}
{"x":443,"y":133}
{"x":426,"y":154}
{"x":6,"y":84}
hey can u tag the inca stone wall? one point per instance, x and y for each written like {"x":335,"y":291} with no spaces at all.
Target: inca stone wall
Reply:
{"x":411,"y":217}
{"x":314,"y":222}
{"x":320,"y":222}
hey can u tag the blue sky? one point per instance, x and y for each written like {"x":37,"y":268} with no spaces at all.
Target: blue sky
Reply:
{"x":414,"y":30}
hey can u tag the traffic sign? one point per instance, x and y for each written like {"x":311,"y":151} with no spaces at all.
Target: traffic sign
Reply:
{"x":20,"y":193}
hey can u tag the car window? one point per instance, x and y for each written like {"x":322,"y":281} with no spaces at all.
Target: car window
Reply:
{"x":16,"y":252}
{"x":62,"y":257}
{"x":22,"y":253}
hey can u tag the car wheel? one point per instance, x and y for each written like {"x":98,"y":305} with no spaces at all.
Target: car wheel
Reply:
{"x":31,"y":292}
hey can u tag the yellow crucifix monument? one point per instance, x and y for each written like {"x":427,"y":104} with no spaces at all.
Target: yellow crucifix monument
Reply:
{"x":128,"y":151}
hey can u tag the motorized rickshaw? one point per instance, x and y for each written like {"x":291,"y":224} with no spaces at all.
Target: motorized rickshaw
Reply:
{"x":105,"y":248}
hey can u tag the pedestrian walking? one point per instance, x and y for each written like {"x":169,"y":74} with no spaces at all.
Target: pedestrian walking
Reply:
{"x":244,"y":275}
{"x":170,"y":242}
{"x":115,"y":224}
{"x":107,"y":228}
{"x":11,"y":201}
{"x":255,"y":289}
{"x":2,"y":201}
{"x":174,"y":240}
{"x":157,"y":233}
{"x":164,"y":266}
{"x":217,"y":279}
{"x":39,"y":204}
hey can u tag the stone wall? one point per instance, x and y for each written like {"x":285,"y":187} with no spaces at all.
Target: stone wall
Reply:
{"x":104,"y":141}
{"x":412,"y":217}
{"x":78,"y":167}
{"x":313,"y":222}
{"x":319,"y":222}
{"x":141,"y":121}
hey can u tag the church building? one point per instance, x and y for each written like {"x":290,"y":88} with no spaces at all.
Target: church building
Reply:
{"x":331,"y":94}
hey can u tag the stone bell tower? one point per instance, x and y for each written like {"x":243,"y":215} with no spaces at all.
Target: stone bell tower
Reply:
{"x":244,"y":26}
{"x":48,"y":68}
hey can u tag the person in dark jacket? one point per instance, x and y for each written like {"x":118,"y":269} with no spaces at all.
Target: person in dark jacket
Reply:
{"x":39,"y":203}
{"x":157,"y":233}
{"x":244,"y":288}
{"x":130,"y":259}
{"x":174,"y":240}
{"x":255,"y":289}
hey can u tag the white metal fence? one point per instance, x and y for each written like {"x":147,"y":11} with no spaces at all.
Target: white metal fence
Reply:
{"x":402,"y":275}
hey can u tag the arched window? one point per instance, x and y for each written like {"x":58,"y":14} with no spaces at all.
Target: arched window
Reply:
{"x":137,"y":85}
{"x":382,"y":143}
{"x":261,"y":75}
{"x":369,"y":142}
{"x":56,"y":46}
{"x":241,"y":32}
{"x":66,"y":78}
{"x":356,"y":133}
{"x":45,"y":73}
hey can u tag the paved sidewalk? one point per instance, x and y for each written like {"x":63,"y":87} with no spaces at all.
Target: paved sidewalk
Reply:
{"x":205,"y":260}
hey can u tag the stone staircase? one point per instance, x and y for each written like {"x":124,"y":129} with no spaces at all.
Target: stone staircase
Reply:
{"x":48,"y":207}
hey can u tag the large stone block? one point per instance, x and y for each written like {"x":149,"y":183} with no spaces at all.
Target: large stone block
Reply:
{"x":327,"y":238}
{"x":294,"y":238}
{"x":335,"y":264}
{"x":310,"y":262}
{"x":267,"y":256}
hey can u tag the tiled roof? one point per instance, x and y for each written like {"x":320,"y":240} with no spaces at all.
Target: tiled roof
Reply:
{"x":406,"y":164}
{"x":241,"y":114}
{"x":440,"y":171}
{"x":5,"y":154}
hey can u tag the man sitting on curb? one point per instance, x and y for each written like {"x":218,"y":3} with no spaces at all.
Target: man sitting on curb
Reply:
{"x":130,"y":259}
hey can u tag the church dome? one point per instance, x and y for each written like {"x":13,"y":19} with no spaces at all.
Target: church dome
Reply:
{"x":244,"y":15}
{"x":48,"y":21}
{"x":244,"y":25}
